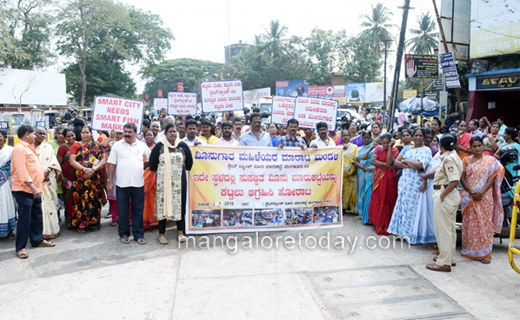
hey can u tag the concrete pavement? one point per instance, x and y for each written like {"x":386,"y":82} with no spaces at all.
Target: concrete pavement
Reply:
{"x":94,"y":276}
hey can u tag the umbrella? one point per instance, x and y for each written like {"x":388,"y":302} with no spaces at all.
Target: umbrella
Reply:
{"x":413,"y":105}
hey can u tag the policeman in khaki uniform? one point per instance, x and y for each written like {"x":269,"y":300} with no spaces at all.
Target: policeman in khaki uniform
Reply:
{"x":446,"y":199}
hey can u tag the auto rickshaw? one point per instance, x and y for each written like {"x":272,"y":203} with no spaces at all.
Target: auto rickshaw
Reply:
{"x":53,"y":116}
{"x":512,"y":250}
{"x":87,"y":114}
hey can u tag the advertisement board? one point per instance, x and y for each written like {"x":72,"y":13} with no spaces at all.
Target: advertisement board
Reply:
{"x":356,"y":92}
{"x":407,"y":94}
{"x":251,"y":96}
{"x":245,"y":189}
{"x":292,"y":88}
{"x":495,"y":28}
{"x":421,"y":66}
{"x":328,"y":92}
{"x":449,"y":70}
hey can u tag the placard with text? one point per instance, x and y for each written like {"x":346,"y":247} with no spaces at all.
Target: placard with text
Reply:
{"x":111,"y":113}
{"x":182,"y":103}
{"x":309,"y":111}
{"x":282,"y":109}
{"x":219,"y":96}
{"x":263,"y":189}
{"x":160,"y":103}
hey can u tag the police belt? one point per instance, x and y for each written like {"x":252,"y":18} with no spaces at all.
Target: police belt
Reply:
{"x":438,"y":187}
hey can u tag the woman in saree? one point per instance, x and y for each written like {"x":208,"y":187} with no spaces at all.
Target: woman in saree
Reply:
{"x":7,"y":208}
{"x":170,"y":158}
{"x":482,"y":211}
{"x":68,"y":174}
{"x":384,"y":190}
{"x":463,"y":148}
{"x":88,"y":159}
{"x":436,"y":127}
{"x":356,"y":138}
{"x":150,"y":181}
{"x":406,"y":141}
{"x":56,"y":143}
{"x":509,"y":140}
{"x":493,"y":140}
{"x":376,"y":131}
{"x":365,"y":176}
{"x":414,"y":164}
{"x":350,"y":186}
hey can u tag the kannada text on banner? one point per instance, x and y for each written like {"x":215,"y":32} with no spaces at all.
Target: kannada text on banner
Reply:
{"x":111,"y":113}
{"x":263,"y":189}
{"x":282,"y":109}
{"x":182,"y":103}
{"x":309,"y":111}
{"x":160,"y":103}
{"x":219,"y":96}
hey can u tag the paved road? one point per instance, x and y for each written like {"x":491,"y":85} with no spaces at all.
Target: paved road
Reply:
{"x":94,"y":276}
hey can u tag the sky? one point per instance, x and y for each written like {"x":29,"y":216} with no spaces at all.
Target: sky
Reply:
{"x":200,"y":27}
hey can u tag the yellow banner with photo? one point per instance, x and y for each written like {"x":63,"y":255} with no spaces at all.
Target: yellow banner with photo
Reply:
{"x":246,"y":189}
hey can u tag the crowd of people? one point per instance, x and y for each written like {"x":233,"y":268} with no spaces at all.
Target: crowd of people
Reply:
{"x":400,"y":184}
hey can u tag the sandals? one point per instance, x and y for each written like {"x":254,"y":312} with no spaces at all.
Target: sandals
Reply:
{"x":486,"y":260}
{"x":432,"y":247}
{"x":113,"y":223}
{"x":46,"y":244}
{"x":125,"y":240}
{"x":141,"y":241}
{"x":436,"y":252}
{"x":11,"y":236}
{"x":22,"y":254}
{"x":108,"y":216}
{"x":81,"y":230}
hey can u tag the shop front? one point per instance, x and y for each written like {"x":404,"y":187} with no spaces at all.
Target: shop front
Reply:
{"x":494,"y":94}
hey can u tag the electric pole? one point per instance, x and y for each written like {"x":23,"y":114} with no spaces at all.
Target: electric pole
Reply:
{"x":399,"y":58}
{"x":384,"y":78}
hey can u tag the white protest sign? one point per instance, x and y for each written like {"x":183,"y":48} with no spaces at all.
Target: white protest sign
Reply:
{"x":182,"y":103}
{"x":251,"y":96}
{"x":219,"y":96}
{"x":113,"y":113}
{"x":160,"y":103}
{"x":282,"y":109}
{"x":309,"y":111}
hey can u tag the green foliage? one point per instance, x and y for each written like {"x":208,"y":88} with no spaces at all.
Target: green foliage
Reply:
{"x":377,"y":24}
{"x":365,"y":64}
{"x":190,"y":72}
{"x":105,"y":76}
{"x":426,"y":39}
{"x":89,"y":29}
{"x":25,"y":34}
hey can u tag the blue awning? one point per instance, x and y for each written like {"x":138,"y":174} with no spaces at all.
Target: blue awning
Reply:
{"x":492,"y":73}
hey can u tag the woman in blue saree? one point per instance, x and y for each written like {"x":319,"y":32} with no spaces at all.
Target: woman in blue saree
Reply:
{"x":365,"y":176}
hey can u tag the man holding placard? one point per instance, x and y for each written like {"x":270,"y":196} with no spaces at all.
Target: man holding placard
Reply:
{"x":256,"y":137}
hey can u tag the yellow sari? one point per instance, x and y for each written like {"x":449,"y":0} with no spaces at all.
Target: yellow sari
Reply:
{"x":350,"y":184}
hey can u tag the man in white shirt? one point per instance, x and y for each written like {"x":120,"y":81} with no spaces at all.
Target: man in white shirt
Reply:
{"x":126,"y":161}
{"x":324,"y":140}
{"x":227,"y":136}
{"x":191,"y":134}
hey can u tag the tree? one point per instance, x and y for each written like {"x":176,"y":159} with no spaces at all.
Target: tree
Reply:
{"x":273,"y":42}
{"x":426,"y":39}
{"x":25,"y":34}
{"x":326,"y":53}
{"x":105,"y":76}
{"x":190,"y":72}
{"x":89,"y":28}
{"x":365,"y":64}
{"x":377,"y":24}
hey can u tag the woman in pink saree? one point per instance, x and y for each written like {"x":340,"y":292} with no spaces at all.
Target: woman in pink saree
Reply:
{"x":482,"y":212}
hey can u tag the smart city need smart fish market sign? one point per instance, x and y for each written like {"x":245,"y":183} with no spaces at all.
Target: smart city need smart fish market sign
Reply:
{"x":499,"y":82}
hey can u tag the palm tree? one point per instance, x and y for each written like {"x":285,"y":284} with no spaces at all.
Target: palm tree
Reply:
{"x":426,"y":39}
{"x":273,"y":40}
{"x":377,"y":24}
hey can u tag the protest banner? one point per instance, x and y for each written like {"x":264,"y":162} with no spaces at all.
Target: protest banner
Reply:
{"x":282,"y":109}
{"x":263,"y":189}
{"x":220,"y":96}
{"x":309,"y":111}
{"x":251,"y":96}
{"x":182,"y":103}
{"x":111,"y":113}
{"x":160,"y":103}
